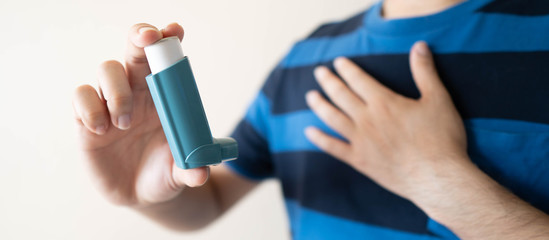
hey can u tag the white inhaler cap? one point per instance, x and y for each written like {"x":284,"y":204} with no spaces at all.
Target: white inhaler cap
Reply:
{"x":163,"y":54}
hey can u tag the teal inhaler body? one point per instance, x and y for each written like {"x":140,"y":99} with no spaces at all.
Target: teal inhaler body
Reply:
{"x":179,"y":107}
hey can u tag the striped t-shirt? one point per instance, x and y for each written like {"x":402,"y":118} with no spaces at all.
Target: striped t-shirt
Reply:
{"x":493,"y":56}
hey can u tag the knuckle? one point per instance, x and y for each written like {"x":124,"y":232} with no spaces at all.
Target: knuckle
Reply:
{"x":380,"y":97}
{"x":83,"y":90}
{"x":119,"y":101}
{"x":135,"y":59}
{"x":382,"y":108}
{"x":361,"y":116}
{"x":323,"y":143}
{"x":341,"y":121}
{"x":339,"y":90}
{"x":354,"y":73}
{"x":350,"y":72}
{"x":318,"y":105}
{"x":358,"y":163}
{"x":363,"y":120}
{"x":81,"y":93}
{"x":425,"y":61}
{"x":426,"y":65}
{"x":119,"y":198}
{"x":314,"y":103}
{"x":94,"y":116}
{"x":326,"y":116}
{"x":327,"y":111}
{"x":327,"y":143}
{"x":109,"y":66}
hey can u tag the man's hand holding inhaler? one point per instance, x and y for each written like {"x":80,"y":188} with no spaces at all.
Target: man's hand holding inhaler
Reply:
{"x":124,"y":144}
{"x":414,"y":148}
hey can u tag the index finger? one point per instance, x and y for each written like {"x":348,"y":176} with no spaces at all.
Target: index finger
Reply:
{"x":140,"y":36}
{"x":361,"y":82}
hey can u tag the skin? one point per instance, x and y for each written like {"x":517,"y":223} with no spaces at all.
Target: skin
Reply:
{"x":413,"y":8}
{"x":415,"y":149}
{"x":123,"y":143}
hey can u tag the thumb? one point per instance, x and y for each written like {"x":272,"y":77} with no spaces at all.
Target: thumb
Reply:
{"x":424,"y":71}
{"x":195,"y":177}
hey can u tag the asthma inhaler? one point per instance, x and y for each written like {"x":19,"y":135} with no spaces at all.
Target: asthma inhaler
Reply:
{"x":175,"y":95}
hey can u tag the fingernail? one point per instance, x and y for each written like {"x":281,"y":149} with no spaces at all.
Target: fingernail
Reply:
{"x":310,"y":96}
{"x":144,"y":29}
{"x":320,"y":71}
{"x":100,"y":130}
{"x":124,"y":122}
{"x":422,"y":49}
{"x":172,"y":24}
{"x":339,"y":61}
{"x":309,"y":131}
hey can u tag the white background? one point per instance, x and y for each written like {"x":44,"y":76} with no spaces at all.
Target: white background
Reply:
{"x":48,"y":48}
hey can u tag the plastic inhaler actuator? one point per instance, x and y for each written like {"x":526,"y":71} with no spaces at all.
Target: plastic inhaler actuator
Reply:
{"x":175,"y":95}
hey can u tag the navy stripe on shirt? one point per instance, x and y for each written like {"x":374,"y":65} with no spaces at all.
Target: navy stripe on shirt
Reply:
{"x":310,"y":224}
{"x":518,"y":7}
{"x":486,"y":85}
{"x":339,"y":28}
{"x":493,"y":62}
{"x":500,"y":33}
{"x":257,"y":158}
{"x":347,"y":194}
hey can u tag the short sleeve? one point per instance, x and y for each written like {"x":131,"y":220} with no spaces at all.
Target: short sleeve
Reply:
{"x":252,"y":135}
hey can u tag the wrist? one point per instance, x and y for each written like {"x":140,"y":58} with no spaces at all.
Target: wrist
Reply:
{"x":443,"y":186}
{"x":458,"y":195}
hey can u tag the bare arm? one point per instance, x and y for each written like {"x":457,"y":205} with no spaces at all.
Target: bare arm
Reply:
{"x":417,"y":149}
{"x":195,"y":208}
{"x":474,"y":206}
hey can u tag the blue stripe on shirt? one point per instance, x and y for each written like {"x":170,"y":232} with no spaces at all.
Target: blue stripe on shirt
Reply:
{"x":492,"y":64}
{"x":285,"y":130}
{"x":498,"y":146}
{"x":310,"y":224}
{"x":501,"y":36}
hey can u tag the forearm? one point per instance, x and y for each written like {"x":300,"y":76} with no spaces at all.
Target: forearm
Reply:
{"x":195,"y":208}
{"x":400,"y":142}
{"x":463,"y":198}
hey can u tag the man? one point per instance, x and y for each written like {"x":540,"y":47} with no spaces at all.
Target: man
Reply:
{"x":379,"y":161}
